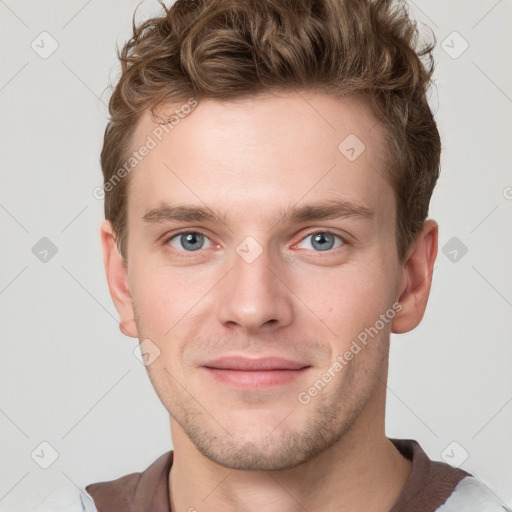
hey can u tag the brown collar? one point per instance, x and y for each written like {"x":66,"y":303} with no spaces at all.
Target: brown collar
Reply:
{"x":430,"y":483}
{"x":141,"y":492}
{"x":428,"y":486}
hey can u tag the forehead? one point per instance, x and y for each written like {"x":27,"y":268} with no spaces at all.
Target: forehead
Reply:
{"x":259,"y":154}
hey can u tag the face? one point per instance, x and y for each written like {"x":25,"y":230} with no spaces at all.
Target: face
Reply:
{"x":251,"y":306}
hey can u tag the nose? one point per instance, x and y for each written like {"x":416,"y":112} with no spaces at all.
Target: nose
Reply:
{"x":255,"y":296}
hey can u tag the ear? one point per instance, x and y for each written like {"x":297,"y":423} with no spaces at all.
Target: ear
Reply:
{"x":417,"y":279}
{"x":117,"y":278}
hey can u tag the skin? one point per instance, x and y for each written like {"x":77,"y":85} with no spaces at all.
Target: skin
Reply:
{"x":263,"y":450}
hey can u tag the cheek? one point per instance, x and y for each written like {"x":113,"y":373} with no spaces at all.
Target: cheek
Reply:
{"x":167,"y":299}
{"x":348,"y":299}
{"x":344,"y":299}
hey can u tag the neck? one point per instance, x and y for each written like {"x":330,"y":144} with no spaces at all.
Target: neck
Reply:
{"x":361,"y":471}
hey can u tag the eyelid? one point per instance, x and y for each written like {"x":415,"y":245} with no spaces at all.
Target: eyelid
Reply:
{"x":167,"y":238}
{"x":325,"y":230}
{"x":170,"y":236}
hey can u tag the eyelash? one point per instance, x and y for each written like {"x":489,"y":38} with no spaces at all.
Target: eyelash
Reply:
{"x":187,"y":232}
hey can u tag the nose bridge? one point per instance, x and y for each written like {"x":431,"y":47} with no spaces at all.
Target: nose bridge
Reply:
{"x":254,"y":295}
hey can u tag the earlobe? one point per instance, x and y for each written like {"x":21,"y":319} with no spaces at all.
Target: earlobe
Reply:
{"x":129,"y":328}
{"x":417,"y":281}
{"x":117,"y":279}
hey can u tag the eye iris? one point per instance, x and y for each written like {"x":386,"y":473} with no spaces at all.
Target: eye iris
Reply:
{"x":320,"y":238}
{"x":191,"y":238}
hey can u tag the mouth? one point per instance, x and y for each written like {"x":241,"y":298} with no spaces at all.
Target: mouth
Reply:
{"x":255,"y":373}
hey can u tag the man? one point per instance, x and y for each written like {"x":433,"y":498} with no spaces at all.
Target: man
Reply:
{"x":291,"y":142}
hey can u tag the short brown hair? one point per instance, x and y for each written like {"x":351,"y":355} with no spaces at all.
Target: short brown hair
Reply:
{"x":227,"y":49}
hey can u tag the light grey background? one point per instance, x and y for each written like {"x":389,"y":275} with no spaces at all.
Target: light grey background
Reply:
{"x":70,"y":378}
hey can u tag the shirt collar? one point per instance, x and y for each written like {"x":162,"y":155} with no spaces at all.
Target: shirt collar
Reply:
{"x":428,"y":486}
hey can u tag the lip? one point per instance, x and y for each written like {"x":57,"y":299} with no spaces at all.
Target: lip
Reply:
{"x":255,"y":374}
{"x":256,"y":364}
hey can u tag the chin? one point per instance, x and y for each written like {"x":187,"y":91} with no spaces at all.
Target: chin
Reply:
{"x":253,"y":457}
{"x":267,"y":449}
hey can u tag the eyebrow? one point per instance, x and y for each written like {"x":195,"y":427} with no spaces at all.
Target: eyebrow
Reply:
{"x":331,"y":209}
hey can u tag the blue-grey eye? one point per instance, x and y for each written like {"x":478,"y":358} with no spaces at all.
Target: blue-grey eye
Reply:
{"x":189,"y":241}
{"x":323,"y":240}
